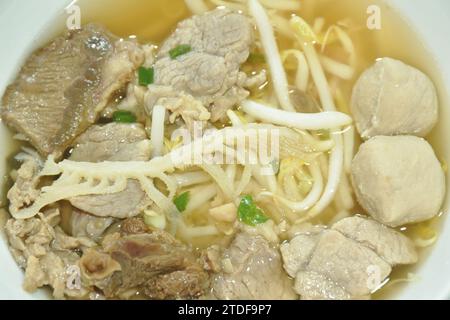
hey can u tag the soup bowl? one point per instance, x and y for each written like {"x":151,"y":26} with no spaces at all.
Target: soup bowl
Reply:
{"x":24,"y":26}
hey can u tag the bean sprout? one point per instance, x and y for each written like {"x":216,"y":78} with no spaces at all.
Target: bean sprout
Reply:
{"x":157,"y":131}
{"x":272,"y":54}
{"x":302,"y":121}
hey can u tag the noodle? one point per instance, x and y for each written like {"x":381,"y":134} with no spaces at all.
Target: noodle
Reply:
{"x":302,"y":121}
{"x":157,"y":131}
{"x":272,"y":54}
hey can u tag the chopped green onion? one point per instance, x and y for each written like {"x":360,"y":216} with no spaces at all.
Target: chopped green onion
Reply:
{"x":181,"y":201}
{"x":146,"y":76}
{"x":179,"y":50}
{"x":123,"y":116}
{"x":249,"y":213}
{"x":256,"y":58}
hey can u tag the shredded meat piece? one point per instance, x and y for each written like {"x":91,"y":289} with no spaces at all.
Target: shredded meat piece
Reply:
{"x":24,"y":191}
{"x":46,"y":253}
{"x":179,"y":104}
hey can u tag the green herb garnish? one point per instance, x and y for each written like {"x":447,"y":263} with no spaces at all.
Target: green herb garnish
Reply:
{"x":181,"y":201}
{"x":146,"y":76}
{"x":249,"y":213}
{"x":180,"y":50}
{"x":124,"y":117}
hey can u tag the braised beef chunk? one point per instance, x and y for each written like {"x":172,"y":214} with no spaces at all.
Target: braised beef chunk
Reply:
{"x":158,"y":266}
{"x":134,"y":226}
{"x":63,"y":86}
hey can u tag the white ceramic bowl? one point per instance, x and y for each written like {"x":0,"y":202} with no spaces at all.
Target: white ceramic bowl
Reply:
{"x":23,"y":22}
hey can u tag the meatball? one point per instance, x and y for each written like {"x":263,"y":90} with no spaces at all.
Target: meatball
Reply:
{"x":393,"y":98}
{"x":398,"y":180}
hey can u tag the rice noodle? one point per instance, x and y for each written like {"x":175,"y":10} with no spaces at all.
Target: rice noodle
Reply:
{"x":312,"y":197}
{"x":157,"y":131}
{"x":280,"y":25}
{"x":165,"y":204}
{"x":190,"y":178}
{"x":243,"y":183}
{"x":220,"y":177}
{"x":349,"y":48}
{"x":336,"y":161}
{"x":344,"y":39}
{"x":231,"y":173}
{"x":234,"y":119}
{"x":272,"y":54}
{"x":303,"y":121}
{"x":200,"y":196}
{"x":318,"y":25}
{"x":302,"y":74}
{"x":337,"y":68}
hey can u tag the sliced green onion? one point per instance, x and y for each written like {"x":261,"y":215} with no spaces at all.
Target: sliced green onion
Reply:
{"x":181,"y":201}
{"x":146,"y":76}
{"x":179,"y":50}
{"x":124,"y":116}
{"x":249,"y":213}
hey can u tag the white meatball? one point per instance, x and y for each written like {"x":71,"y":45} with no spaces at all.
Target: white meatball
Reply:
{"x":393,"y":98}
{"x":398,"y":180}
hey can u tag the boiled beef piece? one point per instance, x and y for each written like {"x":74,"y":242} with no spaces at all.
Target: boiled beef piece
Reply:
{"x":63,"y":86}
{"x":113,"y":142}
{"x":210,"y":72}
{"x":252,"y":270}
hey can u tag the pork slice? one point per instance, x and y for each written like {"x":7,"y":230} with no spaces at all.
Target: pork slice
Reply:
{"x":62,"y":87}
{"x":297,"y":252}
{"x":389,"y":244}
{"x":178,"y":103}
{"x":315,"y":286}
{"x":113,"y":142}
{"x":348,"y":263}
{"x":252,"y":270}
{"x":87,"y":225}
